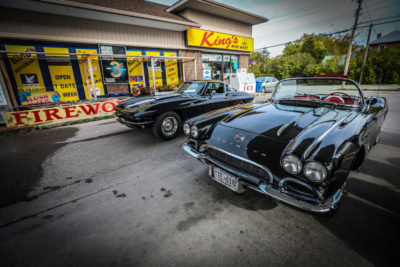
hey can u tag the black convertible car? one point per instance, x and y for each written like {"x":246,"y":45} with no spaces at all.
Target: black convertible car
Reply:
{"x":298,"y":147}
{"x":165,"y":113}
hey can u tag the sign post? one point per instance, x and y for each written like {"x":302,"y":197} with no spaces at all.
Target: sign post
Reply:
{"x":195,"y":70}
{"x":93,"y":88}
{"x":154,"y":76}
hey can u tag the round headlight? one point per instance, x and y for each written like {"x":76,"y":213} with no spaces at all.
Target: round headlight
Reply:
{"x":315,"y":171}
{"x":194,"y":132}
{"x":186,"y":129}
{"x":291,"y":164}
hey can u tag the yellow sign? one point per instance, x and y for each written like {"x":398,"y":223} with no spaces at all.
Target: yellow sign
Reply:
{"x":171,"y":69}
{"x":47,"y":115}
{"x":34,"y":98}
{"x":83,"y":64}
{"x":135,"y":68}
{"x":25,"y":68}
{"x":62,"y":74}
{"x":209,"y":39}
{"x":157,"y":69}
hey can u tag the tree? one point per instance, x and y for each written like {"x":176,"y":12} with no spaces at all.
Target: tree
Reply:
{"x":262,"y":58}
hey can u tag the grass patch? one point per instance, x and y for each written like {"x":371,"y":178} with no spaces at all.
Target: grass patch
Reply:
{"x":33,"y":128}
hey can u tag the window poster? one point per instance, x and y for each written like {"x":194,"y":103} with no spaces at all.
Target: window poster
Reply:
{"x":135,"y":68}
{"x":115,"y":70}
{"x":212,"y":57}
{"x":171,"y":69}
{"x":157,"y":69}
{"x":83,"y":64}
{"x":25,"y":69}
{"x":62,"y":74}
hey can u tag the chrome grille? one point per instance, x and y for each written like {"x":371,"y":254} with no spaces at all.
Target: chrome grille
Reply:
{"x":238,"y":164}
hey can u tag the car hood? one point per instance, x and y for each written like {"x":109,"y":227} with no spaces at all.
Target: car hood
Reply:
{"x":156,"y":99}
{"x":268,"y":131}
{"x":285,"y":122}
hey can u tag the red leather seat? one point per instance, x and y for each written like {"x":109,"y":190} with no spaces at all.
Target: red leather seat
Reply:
{"x":334,"y":99}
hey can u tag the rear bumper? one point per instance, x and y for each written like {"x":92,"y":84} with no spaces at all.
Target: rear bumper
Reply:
{"x":265,"y":187}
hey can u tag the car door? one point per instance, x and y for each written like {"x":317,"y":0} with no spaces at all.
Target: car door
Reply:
{"x":215,"y":95}
{"x":269,"y":84}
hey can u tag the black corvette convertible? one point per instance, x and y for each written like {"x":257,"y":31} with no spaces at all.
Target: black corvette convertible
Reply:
{"x":297,"y":147}
{"x":165,"y":113}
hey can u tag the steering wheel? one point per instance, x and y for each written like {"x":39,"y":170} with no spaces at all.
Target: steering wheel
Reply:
{"x":340,"y":98}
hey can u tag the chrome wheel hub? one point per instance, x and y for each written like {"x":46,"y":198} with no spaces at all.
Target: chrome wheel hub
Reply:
{"x":169,"y":126}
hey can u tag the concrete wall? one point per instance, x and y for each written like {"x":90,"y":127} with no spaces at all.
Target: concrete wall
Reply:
{"x":218,"y":24}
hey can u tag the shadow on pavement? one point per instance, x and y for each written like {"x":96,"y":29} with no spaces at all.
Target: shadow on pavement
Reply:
{"x":21,"y":158}
{"x":368,"y":220}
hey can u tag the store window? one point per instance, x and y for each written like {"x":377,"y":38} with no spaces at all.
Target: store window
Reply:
{"x":218,"y":66}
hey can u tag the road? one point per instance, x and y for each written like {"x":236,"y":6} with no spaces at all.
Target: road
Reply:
{"x":100,"y":194}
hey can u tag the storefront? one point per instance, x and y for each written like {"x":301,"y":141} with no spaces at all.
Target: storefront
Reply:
{"x":34,"y":31}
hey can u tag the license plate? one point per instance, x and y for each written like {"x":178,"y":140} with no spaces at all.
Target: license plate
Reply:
{"x":225,"y":178}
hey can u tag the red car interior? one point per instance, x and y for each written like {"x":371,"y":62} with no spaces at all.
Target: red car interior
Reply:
{"x":332,"y":97}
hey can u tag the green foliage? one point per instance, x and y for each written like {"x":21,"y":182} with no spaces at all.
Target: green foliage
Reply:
{"x":305,"y":58}
{"x":395,"y":77}
{"x":262,"y":58}
{"x":289,"y":66}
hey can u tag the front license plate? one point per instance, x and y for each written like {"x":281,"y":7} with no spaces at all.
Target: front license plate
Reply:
{"x":225,"y":178}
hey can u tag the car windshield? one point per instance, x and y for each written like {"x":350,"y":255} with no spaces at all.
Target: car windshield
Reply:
{"x":338,"y":91}
{"x":191,"y":88}
{"x":261,"y":79}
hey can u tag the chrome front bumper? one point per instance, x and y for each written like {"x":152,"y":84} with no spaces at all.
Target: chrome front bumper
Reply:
{"x":263,"y":187}
{"x":132,"y":124}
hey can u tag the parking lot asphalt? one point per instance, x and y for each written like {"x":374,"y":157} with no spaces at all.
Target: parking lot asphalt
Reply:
{"x":101,"y":194}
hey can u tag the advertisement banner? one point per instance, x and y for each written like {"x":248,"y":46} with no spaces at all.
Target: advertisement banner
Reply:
{"x":135,"y":69}
{"x":157,"y":69}
{"x":25,"y":68}
{"x":98,"y":81}
{"x":115,"y":70}
{"x":47,"y":115}
{"x":210,"y":39}
{"x":33,"y":98}
{"x":62,"y":74}
{"x":171,"y":69}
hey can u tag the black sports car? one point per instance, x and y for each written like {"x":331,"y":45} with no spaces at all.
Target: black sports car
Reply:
{"x":297,"y":147}
{"x":165,"y":113}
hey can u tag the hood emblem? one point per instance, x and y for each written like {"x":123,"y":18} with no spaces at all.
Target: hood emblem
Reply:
{"x":239,"y":138}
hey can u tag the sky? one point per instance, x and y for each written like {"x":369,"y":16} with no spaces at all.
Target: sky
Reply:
{"x":290,"y":19}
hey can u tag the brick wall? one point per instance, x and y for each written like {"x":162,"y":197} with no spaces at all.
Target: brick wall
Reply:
{"x":375,"y":48}
{"x":189,"y":67}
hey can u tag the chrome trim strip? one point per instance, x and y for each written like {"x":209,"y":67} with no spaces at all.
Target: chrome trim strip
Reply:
{"x":289,"y":179}
{"x":129,"y":123}
{"x":322,"y":136}
{"x":278,"y":195}
{"x":271,"y":176}
{"x":192,"y":152}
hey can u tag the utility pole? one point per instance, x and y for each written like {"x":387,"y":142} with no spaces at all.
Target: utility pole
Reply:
{"x":365,"y":54}
{"x":346,"y":66}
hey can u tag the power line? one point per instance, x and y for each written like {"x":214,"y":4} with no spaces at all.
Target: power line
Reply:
{"x":372,"y":20}
{"x":369,"y":15}
{"x":325,"y":34}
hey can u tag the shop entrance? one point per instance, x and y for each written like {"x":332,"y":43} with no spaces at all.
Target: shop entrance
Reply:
{"x":219,"y":66}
